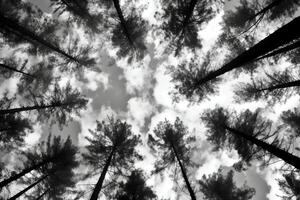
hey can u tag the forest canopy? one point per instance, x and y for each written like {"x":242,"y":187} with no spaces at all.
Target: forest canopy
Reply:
{"x":149,"y":100}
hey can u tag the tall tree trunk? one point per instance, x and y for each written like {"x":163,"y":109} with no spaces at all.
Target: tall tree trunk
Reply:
{"x":188,"y":185}
{"x":22,"y":32}
{"x":280,"y":37}
{"x":15,"y":70}
{"x":24,"y":172}
{"x":285,"y":156}
{"x":123,"y":21}
{"x":281,"y":50}
{"x":266,"y":9}
{"x":43,"y":194}
{"x":99,"y":184}
{"x":29,"y":108}
{"x":28,"y":188}
{"x":280,"y":86}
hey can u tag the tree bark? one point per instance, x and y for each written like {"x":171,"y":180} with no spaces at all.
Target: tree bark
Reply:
{"x":99,"y":184}
{"x":188,"y":185}
{"x":24,"y":172}
{"x":280,"y":37}
{"x":28,"y":188}
{"x":29,"y":108}
{"x":43,"y":194}
{"x":285,"y":156}
{"x":280,"y":86}
{"x":123,"y":21}
{"x":15,"y":70}
{"x":20,"y":31}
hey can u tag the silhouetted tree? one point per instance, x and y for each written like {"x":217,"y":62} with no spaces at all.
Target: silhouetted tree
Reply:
{"x":112,"y":146}
{"x":292,"y":119}
{"x":13,"y":128}
{"x":60,"y":104}
{"x":80,"y":11}
{"x":182,"y":21}
{"x":60,"y":174}
{"x":220,"y":187}
{"x":290,"y":186}
{"x":279,"y":38}
{"x":135,"y":188}
{"x":9,"y":66}
{"x":186,"y":74}
{"x":12,"y":25}
{"x":170,"y":143}
{"x":250,"y":135}
{"x":276,"y":87}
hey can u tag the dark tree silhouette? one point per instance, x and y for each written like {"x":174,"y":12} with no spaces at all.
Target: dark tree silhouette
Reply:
{"x":135,"y":188}
{"x":250,"y":135}
{"x":249,"y":14}
{"x":220,"y":187}
{"x":60,"y":104}
{"x":9,"y":66}
{"x":12,"y":26}
{"x":60,"y":174}
{"x":279,"y":38}
{"x":290,"y":186}
{"x":186,"y":74}
{"x":277,"y":86}
{"x":182,"y":20}
{"x":170,"y":143}
{"x":292,"y":119}
{"x":112,"y":146}
{"x":129,"y":33}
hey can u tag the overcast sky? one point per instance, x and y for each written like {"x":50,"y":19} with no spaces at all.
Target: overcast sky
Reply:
{"x":139,"y":94}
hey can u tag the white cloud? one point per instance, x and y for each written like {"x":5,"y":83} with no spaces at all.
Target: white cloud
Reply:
{"x":10,"y":85}
{"x":95,"y":79}
{"x":139,"y":109}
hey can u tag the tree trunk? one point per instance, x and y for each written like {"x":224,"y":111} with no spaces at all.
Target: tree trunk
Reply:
{"x":29,"y":108}
{"x":280,"y":86}
{"x":188,"y":185}
{"x":280,"y":37}
{"x":20,"y":31}
{"x":28,"y":188}
{"x":40,"y":197}
{"x":266,"y":9}
{"x":99,"y":184}
{"x":123,"y":22}
{"x":15,"y":70}
{"x":285,"y":156}
{"x":25,"y":171}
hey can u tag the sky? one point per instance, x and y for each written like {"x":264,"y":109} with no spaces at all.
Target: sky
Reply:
{"x":140,"y":94}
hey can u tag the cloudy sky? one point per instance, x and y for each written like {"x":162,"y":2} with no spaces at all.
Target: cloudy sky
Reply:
{"x":140,"y":94}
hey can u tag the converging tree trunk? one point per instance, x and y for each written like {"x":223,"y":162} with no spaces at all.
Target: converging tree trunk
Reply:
{"x":29,"y":108}
{"x":123,"y":21}
{"x":28,"y":188}
{"x":266,"y":9}
{"x":43,"y":194}
{"x":15,"y":70}
{"x":22,"y":32}
{"x":99,"y":184}
{"x":281,"y":86}
{"x":285,"y":156}
{"x":188,"y":185}
{"x":280,"y":37}
{"x":24,"y":172}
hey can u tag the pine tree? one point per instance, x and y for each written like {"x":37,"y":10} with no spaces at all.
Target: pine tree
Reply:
{"x":170,"y":142}
{"x":249,"y":134}
{"x":220,"y":187}
{"x":112,"y":146}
